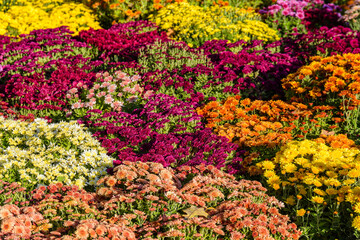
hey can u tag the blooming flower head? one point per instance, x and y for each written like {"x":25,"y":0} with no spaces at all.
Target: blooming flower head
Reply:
{"x":76,"y":105}
{"x":108,"y":99}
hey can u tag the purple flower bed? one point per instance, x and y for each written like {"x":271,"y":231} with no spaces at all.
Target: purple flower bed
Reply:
{"x":329,"y":16}
{"x":39,"y":69}
{"x":323,"y":42}
{"x":167,"y":131}
{"x":255,"y":69}
{"x":41,"y":50}
{"x":216,"y":70}
{"x":122,"y":42}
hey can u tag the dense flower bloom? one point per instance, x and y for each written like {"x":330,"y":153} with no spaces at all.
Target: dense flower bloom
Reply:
{"x":195,"y":25}
{"x":35,"y":15}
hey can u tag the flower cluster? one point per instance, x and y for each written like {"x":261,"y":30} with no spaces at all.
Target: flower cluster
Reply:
{"x":120,"y":11}
{"x":16,"y":223}
{"x":22,"y":19}
{"x":331,"y":80}
{"x":40,"y":153}
{"x":197,"y":202}
{"x":294,"y":8}
{"x":12,"y":193}
{"x":287,"y":16}
{"x":39,"y":51}
{"x":41,"y":67}
{"x":59,"y":208}
{"x":165,"y":131}
{"x":336,"y":141}
{"x":351,"y":15}
{"x":322,"y":42}
{"x":317,"y":181}
{"x":328,"y":15}
{"x":215,"y":71}
{"x":125,"y":11}
{"x":240,"y":125}
{"x":109,"y":92}
{"x":195,"y":25}
{"x":122,"y":42}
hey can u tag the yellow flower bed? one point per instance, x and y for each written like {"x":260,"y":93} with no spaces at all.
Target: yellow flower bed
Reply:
{"x":309,"y":175}
{"x":32,"y":15}
{"x":41,"y":153}
{"x":195,"y":24}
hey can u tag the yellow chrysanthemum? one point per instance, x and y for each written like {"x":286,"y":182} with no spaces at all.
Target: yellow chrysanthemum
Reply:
{"x":317,"y":199}
{"x":319,"y":192}
{"x":268,"y":165}
{"x":331,"y":191}
{"x":356,"y":223}
{"x":290,"y":168}
{"x":300,"y":212}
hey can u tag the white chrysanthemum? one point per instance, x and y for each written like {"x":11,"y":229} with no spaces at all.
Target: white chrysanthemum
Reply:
{"x":58,"y":152}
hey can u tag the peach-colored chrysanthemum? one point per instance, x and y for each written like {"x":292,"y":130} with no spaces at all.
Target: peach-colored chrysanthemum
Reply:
{"x":7,"y":226}
{"x":5,"y":213}
{"x":27,"y":223}
{"x":128,"y":234}
{"x":166,"y":174}
{"x":69,"y":223}
{"x":111,"y":181}
{"x":18,"y":230}
{"x":36,"y":217}
{"x":113,"y":231}
{"x":108,"y":100}
{"x":153,"y":177}
{"x":82,"y":232}
{"x":29,"y":210}
{"x":121,"y":174}
{"x":92,"y":233}
{"x":100,"y":230}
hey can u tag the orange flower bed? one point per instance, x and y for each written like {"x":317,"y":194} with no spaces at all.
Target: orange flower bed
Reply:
{"x":332,"y":80}
{"x":263,"y":123}
{"x":261,"y":127}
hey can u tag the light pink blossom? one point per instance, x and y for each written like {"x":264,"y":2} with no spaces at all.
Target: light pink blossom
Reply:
{"x":120,"y":74}
{"x":76,"y":105}
{"x":73,"y":90}
{"x":135,"y":78}
{"x":90,"y":105}
{"x":117,"y":104}
{"x":112,"y":88}
{"x":105,"y":84}
{"x":108,"y":79}
{"x":127,"y":89}
{"x":108,"y":100}
{"x":90,"y":95}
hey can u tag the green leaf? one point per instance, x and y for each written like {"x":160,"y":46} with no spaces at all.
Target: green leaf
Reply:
{"x":194,"y":211}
